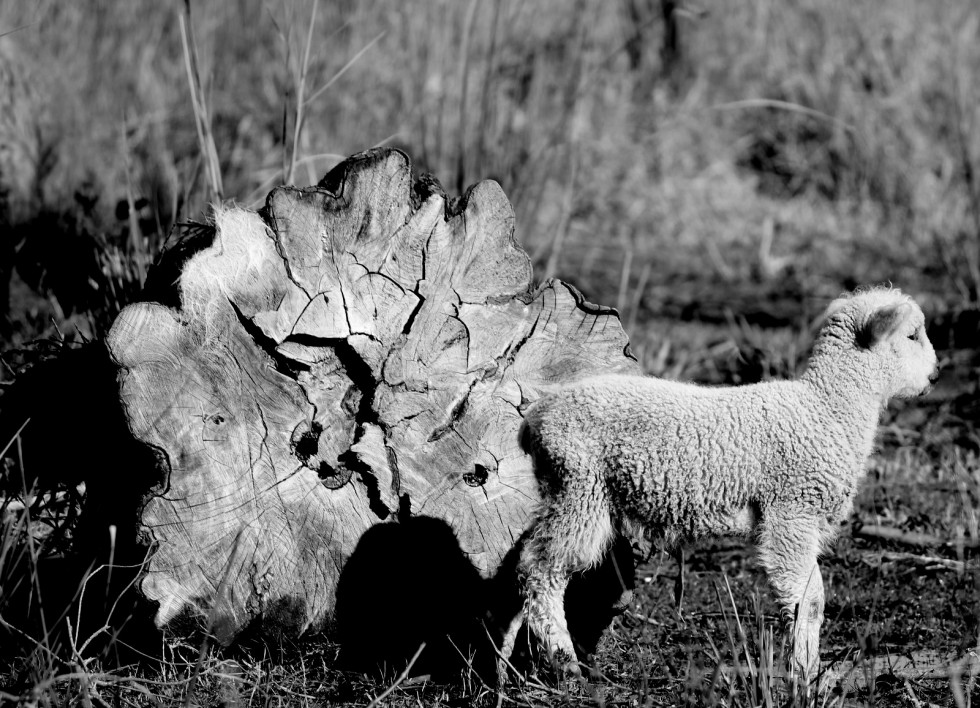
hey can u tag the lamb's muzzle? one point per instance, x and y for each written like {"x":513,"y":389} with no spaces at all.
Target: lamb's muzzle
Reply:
{"x":777,"y":461}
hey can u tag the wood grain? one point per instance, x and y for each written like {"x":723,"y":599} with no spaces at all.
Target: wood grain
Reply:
{"x":356,"y":352}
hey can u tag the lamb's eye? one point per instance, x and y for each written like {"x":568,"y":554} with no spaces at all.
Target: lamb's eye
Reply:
{"x":914,"y":336}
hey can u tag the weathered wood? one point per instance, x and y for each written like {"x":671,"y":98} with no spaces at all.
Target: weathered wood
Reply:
{"x":358,"y":351}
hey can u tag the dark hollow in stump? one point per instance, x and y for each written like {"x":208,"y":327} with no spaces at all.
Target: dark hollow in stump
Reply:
{"x":357,"y":352}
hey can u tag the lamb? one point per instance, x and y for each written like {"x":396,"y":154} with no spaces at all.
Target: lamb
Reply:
{"x":776,"y":461}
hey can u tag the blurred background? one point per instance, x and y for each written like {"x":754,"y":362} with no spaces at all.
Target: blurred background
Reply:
{"x":717,"y":171}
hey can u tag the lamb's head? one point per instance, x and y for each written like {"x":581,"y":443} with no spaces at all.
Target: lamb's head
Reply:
{"x":886,"y":330}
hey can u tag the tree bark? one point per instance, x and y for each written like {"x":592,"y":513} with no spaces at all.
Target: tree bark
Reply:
{"x":355,"y":352}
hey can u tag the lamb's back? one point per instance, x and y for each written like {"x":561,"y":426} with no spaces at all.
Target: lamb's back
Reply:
{"x":680,"y":450}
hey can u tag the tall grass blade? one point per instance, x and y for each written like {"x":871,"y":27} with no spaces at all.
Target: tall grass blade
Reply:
{"x":300,"y":116}
{"x":464,"y":80}
{"x":344,"y":69}
{"x":202,"y":120}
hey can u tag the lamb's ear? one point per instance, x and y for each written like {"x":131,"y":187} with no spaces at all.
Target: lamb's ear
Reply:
{"x":880,"y":324}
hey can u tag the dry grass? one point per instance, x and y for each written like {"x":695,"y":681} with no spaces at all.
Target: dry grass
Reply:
{"x":792,"y":151}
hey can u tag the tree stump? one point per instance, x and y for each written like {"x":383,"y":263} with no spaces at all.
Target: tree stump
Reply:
{"x":355,"y":352}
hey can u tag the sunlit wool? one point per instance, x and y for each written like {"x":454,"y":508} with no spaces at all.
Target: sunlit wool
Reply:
{"x":776,"y":461}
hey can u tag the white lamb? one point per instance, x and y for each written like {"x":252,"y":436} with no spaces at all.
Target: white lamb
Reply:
{"x":778,"y":461}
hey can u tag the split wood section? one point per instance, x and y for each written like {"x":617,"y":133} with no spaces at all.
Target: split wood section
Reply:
{"x":357,"y":351}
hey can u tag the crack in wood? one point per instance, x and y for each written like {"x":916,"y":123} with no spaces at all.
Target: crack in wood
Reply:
{"x":273,"y":229}
{"x":282,"y":363}
{"x":455,"y":414}
{"x":407,"y":327}
{"x":393,"y":466}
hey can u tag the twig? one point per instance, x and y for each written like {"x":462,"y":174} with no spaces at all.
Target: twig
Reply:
{"x":927,"y":562}
{"x":911,"y":694}
{"x":785,"y":106}
{"x":909,"y":538}
{"x":399,"y":680}
{"x":506,"y":660}
{"x":18,"y":29}
{"x":647,"y":619}
{"x":128,"y":682}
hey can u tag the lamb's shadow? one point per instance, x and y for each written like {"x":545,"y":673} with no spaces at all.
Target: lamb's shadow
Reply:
{"x":409,"y":582}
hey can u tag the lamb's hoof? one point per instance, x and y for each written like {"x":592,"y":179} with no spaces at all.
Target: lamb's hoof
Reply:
{"x":566,"y":664}
{"x":624,"y":602}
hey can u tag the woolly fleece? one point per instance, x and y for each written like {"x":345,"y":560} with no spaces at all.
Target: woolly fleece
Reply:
{"x":777,"y":461}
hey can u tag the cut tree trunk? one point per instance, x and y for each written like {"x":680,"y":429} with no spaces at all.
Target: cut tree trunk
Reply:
{"x":356,"y":352}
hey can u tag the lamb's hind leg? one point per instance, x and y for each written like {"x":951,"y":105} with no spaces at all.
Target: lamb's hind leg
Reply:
{"x":573,"y":535}
{"x":545,"y":609}
{"x":540,"y":583}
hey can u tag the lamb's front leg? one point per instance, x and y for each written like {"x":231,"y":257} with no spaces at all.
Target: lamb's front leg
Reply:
{"x":788,"y":549}
{"x":809,"y":618}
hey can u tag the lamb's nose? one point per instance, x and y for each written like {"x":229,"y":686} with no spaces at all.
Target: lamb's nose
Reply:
{"x":934,"y":376}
